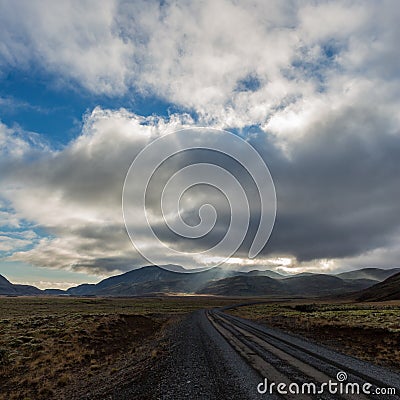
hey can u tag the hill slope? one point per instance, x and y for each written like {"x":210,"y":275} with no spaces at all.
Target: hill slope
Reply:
{"x":376,"y":274}
{"x":386,"y":290}
{"x":321,"y":285}
{"x":6,"y":287}
{"x":270,"y":274}
{"x":152,"y":279}
{"x":246,"y":286}
{"x":304,"y":286}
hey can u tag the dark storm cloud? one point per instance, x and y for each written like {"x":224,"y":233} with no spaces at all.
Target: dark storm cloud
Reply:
{"x":338,"y":192}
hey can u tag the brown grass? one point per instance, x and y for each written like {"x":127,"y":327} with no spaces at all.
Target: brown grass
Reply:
{"x":52,"y":347}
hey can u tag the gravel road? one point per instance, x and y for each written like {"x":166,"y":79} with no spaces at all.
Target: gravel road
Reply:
{"x":203,"y":365}
{"x":215,"y":356}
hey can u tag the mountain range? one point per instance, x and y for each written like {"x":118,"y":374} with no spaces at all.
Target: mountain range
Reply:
{"x":174,"y":279}
{"x":10,"y":289}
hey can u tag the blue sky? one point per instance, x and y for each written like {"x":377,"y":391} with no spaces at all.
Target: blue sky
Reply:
{"x":35,"y":101}
{"x":313,"y":86}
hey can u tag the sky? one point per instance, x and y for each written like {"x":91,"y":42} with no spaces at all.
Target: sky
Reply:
{"x":313,"y":86}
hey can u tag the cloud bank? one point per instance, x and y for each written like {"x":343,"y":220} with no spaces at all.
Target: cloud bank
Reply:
{"x":313,"y":86}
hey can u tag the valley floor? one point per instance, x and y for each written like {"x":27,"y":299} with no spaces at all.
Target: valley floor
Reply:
{"x":166,"y":347}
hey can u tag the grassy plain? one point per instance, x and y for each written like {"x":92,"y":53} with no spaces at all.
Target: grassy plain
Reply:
{"x":65,"y":348}
{"x":370,"y":331}
{"x":54,"y":347}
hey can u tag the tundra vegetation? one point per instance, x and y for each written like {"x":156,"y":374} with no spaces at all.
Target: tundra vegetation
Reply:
{"x":50,"y":345}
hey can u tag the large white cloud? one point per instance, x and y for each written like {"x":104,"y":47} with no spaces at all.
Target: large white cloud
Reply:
{"x":78,"y":40}
{"x":75,"y":193}
{"x":232,"y":62}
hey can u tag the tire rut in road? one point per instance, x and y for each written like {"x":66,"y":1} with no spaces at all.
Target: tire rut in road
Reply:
{"x":283,"y":361}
